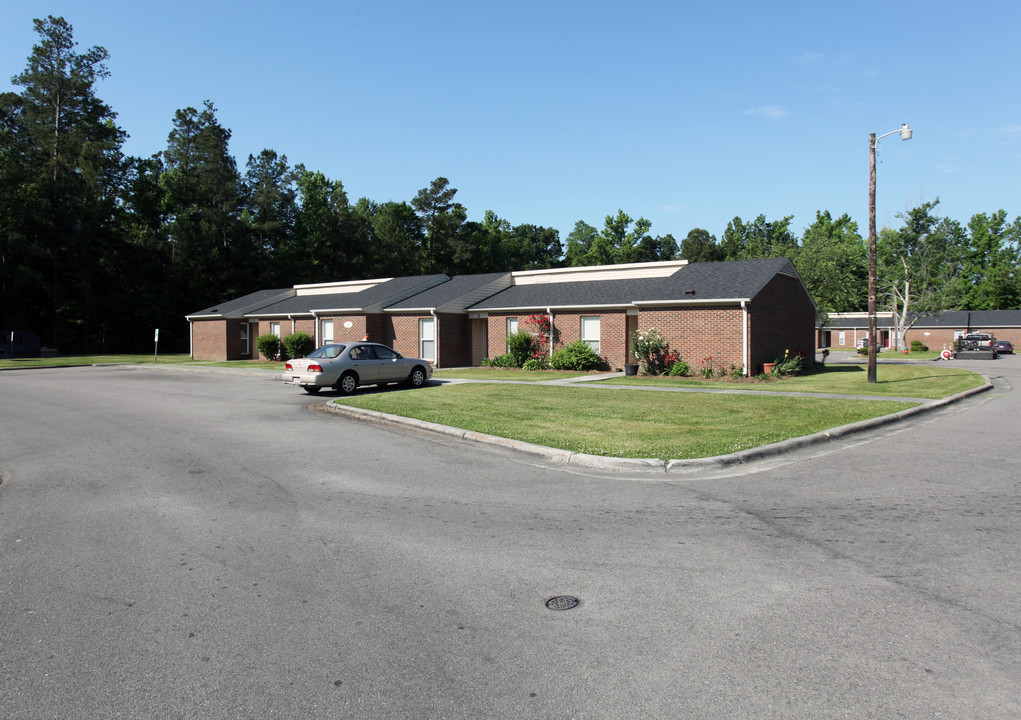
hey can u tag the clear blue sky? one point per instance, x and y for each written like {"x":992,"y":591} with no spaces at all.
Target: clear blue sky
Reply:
{"x":551,"y":112}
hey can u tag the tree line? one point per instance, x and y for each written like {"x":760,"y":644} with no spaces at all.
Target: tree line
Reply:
{"x":97,"y":248}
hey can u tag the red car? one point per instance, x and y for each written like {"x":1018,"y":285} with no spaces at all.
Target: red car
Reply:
{"x":1003,"y":347}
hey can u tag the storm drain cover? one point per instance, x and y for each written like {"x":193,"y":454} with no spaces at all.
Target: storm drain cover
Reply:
{"x":562,"y":602}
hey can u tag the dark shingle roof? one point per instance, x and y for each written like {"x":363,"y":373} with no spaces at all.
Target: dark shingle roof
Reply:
{"x":732,"y":280}
{"x":238,"y":307}
{"x":458,"y":288}
{"x":962,"y":319}
{"x":372,"y":299}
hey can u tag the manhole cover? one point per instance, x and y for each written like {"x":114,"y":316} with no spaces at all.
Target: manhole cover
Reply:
{"x":562,"y":602}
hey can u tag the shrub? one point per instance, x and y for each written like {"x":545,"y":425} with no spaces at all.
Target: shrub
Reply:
{"x":649,"y":346}
{"x":917,"y":346}
{"x":268,"y":346}
{"x":520,"y":346}
{"x":500,"y":361}
{"x":298,"y":344}
{"x":735,"y":371}
{"x":534,"y":363}
{"x":679,"y":368}
{"x":575,"y":356}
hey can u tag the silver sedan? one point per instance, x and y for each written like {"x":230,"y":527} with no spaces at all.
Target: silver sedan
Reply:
{"x":345,"y":366}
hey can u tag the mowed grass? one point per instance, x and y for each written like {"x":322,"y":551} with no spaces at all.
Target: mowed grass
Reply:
{"x":620,"y":423}
{"x":169,"y":359}
{"x":71,"y":360}
{"x":915,"y":381}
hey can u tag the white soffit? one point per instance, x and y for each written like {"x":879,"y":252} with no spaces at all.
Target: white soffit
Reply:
{"x":352,"y":286}
{"x":629,"y":271}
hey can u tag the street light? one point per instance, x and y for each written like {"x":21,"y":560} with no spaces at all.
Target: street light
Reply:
{"x":905,"y":134}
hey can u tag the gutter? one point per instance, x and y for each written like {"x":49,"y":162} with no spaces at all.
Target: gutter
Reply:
{"x":706,"y":301}
{"x":549,"y":314}
{"x":744,"y":338}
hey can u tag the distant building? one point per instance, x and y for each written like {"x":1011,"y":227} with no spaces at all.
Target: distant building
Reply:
{"x":744,"y":312}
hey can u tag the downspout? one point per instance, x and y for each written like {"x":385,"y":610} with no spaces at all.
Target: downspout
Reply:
{"x":191,"y":339}
{"x":549,"y":314}
{"x":744,"y":337}
{"x":315,"y":323}
{"x":293,"y":325}
{"x":436,"y":338}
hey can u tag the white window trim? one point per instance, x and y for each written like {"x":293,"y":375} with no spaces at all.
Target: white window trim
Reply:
{"x":424,"y":323}
{"x":512,"y":327}
{"x":592,"y":342}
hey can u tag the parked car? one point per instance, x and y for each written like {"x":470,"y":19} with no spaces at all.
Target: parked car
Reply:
{"x":345,"y":366}
{"x":1004,"y":347}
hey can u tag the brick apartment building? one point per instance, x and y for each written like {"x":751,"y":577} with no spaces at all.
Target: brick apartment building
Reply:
{"x":742,"y":313}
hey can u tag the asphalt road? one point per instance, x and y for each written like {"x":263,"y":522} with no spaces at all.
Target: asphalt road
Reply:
{"x":180,"y":545}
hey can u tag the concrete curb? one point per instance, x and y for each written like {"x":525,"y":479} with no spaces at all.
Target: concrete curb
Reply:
{"x":680,"y":467}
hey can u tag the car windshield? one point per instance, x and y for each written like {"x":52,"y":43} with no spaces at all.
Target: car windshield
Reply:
{"x":327,"y":351}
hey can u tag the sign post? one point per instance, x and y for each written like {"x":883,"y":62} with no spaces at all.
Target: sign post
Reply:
{"x":156,"y":351}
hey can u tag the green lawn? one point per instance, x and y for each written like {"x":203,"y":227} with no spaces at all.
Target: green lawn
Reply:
{"x":91,"y":360}
{"x":170,"y":359}
{"x":622,"y":424}
{"x":921,"y":381}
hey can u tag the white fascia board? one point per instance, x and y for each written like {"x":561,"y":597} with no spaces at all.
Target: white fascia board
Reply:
{"x":279,"y":315}
{"x":537,"y":308}
{"x":202,"y":317}
{"x":700,"y":301}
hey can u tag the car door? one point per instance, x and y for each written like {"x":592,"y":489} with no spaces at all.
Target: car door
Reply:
{"x":363,"y":361}
{"x":391,"y":368}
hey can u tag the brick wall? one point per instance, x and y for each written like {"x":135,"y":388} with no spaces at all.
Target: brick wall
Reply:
{"x":403,"y":331}
{"x":700,"y":332}
{"x":937,"y":337}
{"x":209,"y":340}
{"x":781,"y":317}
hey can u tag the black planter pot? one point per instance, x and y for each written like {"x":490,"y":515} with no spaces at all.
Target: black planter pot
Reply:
{"x":630,"y":368}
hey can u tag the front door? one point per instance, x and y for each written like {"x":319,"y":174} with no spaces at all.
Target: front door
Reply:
{"x":632,"y":327}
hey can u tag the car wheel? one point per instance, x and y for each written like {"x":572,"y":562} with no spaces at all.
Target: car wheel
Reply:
{"x":417,"y":378}
{"x":311,"y":389}
{"x":348,"y":383}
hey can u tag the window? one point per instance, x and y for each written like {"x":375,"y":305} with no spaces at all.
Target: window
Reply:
{"x":245,"y":350}
{"x":427,"y":339}
{"x":512,"y":327}
{"x":590,"y":331}
{"x":840,"y":338}
{"x":327,"y":332}
{"x":274,"y":327}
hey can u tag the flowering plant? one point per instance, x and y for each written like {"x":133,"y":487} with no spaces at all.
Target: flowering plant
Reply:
{"x":707,"y":370}
{"x":789,"y":364}
{"x":542,"y":326}
{"x":649,"y":347}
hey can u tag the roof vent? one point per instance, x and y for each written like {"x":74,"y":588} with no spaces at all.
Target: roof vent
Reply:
{"x":689,"y":292}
